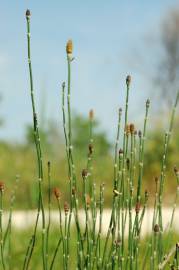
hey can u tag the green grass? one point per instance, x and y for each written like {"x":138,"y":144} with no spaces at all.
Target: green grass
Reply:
{"x":19,"y":237}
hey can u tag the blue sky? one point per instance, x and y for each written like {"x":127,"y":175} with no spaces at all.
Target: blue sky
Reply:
{"x":109,"y":43}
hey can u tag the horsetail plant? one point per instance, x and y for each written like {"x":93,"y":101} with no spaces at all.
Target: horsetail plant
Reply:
{"x":94,"y":251}
{"x":121,"y":246}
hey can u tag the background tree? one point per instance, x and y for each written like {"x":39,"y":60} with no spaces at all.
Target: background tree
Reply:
{"x":167,"y":75}
{"x":81,"y":133}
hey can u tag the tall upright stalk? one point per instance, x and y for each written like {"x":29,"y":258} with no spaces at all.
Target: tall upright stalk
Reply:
{"x":141,"y":157}
{"x":49,"y":211}
{"x":39,"y":161}
{"x":1,"y":229}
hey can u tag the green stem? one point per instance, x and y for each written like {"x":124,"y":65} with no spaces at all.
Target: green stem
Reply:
{"x":49,"y":211}
{"x":1,"y":230}
{"x":55,"y":254}
{"x":40,"y":165}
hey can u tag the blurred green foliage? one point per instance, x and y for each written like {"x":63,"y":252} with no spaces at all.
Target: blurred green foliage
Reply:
{"x":81,"y":133}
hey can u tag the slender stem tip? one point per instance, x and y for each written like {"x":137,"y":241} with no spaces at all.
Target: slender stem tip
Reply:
{"x":57,"y":193}
{"x":1,"y":186}
{"x":28,"y":14}
{"x":91,"y":114}
{"x":69,"y":47}
{"x":148,"y":103}
{"x":128,"y":80}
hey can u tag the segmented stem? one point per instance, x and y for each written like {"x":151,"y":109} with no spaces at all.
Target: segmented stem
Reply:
{"x":40,"y":165}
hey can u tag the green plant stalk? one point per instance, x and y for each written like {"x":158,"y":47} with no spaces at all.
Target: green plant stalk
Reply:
{"x":65,"y":241}
{"x":163,"y":170}
{"x":126,"y":147}
{"x":92,"y":240}
{"x":122,"y":220}
{"x":116,"y":151}
{"x":86,"y":235}
{"x":98,"y":241}
{"x":28,"y":253}
{"x":112,"y":219}
{"x":9,"y":250}
{"x":130,"y":240}
{"x":115,"y":184}
{"x":125,"y":180}
{"x":69,"y":166}
{"x":107,"y":238}
{"x":123,"y":176}
{"x":32,"y":241}
{"x":8,"y":228}
{"x":135,"y":225}
{"x":155,"y":206}
{"x":1,"y":230}
{"x":159,"y":203}
{"x":119,"y":205}
{"x":49,"y":211}
{"x":140,"y":227}
{"x":147,"y":249}
{"x":135,"y":236}
{"x":143,"y":213}
{"x":39,"y":158}
{"x":65,"y":132}
{"x":70,"y":155}
{"x":174,"y":205}
{"x":141,"y":157}
{"x":136,"y":259}
{"x":134,"y":162}
{"x":7,"y":234}
{"x":169,"y":236}
{"x":177,"y":256}
{"x":90,"y":187}
{"x":69,"y":125}
{"x":167,"y":258}
{"x":125,"y":144}
{"x":55,"y":254}
{"x":94,"y":214}
{"x":154,"y":249}
{"x":61,"y":233}
{"x":80,"y":245}
{"x":111,"y":257}
{"x":113,"y":244}
{"x":89,"y":161}
{"x":79,"y":235}
{"x":154,"y":220}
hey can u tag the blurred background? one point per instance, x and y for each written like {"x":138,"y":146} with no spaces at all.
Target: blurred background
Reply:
{"x":111,"y":40}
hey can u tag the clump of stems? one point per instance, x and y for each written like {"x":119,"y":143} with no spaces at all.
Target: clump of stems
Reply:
{"x":121,"y":247}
